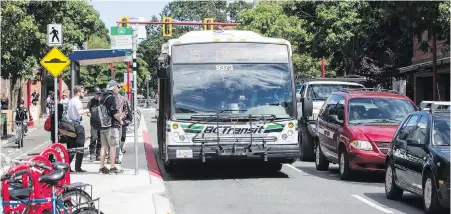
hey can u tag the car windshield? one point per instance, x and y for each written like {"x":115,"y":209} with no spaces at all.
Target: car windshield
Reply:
{"x":378,"y":110}
{"x":322,"y":91}
{"x":441,"y":131}
{"x":243,"y":88}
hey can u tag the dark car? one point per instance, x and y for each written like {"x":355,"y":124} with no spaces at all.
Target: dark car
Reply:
{"x":419,"y":158}
{"x":355,"y":127}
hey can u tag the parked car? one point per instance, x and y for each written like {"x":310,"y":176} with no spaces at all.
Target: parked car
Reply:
{"x":419,"y":160}
{"x":355,"y":128}
{"x":317,"y":91}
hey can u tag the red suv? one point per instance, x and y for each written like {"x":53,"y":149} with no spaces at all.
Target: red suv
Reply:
{"x":355,"y":128}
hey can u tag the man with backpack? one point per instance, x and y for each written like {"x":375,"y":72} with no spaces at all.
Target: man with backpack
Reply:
{"x":107,"y":118}
{"x":94,"y":146}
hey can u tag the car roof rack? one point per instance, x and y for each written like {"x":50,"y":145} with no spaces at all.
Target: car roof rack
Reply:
{"x":347,"y":90}
{"x":441,"y":111}
{"x":435,"y":106}
{"x":348,"y":78}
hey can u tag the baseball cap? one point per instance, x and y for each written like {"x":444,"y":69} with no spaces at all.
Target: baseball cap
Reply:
{"x":111,"y":85}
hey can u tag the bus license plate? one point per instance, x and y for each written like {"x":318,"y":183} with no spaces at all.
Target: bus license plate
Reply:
{"x":184,"y":153}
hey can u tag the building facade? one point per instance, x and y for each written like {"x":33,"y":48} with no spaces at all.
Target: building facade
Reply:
{"x":420,"y":72}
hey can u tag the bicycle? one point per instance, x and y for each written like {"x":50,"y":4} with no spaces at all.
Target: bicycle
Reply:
{"x":51,"y":179}
{"x":20,"y":126}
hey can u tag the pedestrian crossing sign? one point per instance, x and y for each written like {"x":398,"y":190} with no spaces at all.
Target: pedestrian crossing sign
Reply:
{"x":54,"y":35}
{"x":55,"y":62}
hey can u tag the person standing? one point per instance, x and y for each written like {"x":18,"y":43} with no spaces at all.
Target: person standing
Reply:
{"x":126,"y":116}
{"x":94,"y":146}
{"x":109,"y":136}
{"x":74,"y":112}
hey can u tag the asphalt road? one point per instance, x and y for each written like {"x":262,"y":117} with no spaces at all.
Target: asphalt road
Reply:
{"x":297,"y":188}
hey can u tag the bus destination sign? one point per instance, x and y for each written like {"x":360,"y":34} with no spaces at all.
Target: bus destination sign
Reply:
{"x":230,"y":53}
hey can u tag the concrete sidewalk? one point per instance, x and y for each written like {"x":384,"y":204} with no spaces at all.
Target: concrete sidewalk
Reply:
{"x":128,"y":193}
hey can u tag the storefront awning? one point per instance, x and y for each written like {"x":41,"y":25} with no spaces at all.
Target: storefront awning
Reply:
{"x":100,"y":56}
{"x":416,"y":67}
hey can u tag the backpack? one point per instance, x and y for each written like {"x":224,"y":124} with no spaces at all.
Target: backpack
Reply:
{"x":100,"y":115}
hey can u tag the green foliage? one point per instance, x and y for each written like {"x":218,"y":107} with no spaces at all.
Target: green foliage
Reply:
{"x":269,"y":19}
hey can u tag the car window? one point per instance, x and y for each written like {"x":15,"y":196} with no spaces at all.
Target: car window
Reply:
{"x":370,"y":110}
{"x":420,"y":132}
{"x":329,"y":106}
{"x":410,"y":127}
{"x":340,"y":109}
{"x":441,"y":132}
{"x":302,"y":90}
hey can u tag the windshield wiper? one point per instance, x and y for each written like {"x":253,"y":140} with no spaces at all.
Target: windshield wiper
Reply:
{"x":384,"y":121}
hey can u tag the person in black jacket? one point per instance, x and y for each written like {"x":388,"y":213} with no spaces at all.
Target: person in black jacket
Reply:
{"x":94,"y":146}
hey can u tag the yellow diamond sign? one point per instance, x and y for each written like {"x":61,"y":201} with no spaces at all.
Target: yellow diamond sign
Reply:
{"x":55,"y":62}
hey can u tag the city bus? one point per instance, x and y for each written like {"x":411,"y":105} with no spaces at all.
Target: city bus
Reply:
{"x":227,"y":95}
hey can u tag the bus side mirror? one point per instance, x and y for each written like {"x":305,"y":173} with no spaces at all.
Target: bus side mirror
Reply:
{"x":162,"y":72}
{"x":298,"y":97}
{"x":307,"y":107}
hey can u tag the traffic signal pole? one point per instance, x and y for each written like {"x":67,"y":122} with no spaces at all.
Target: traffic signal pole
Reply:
{"x":181,"y":23}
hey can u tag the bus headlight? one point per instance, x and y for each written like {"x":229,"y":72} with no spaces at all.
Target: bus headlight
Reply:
{"x":284,"y":136}
{"x":176,"y":134}
{"x":175,"y":126}
{"x":290,"y":133}
{"x":290,"y":125}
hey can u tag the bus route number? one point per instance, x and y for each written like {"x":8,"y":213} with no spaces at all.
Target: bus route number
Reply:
{"x":224,"y":67}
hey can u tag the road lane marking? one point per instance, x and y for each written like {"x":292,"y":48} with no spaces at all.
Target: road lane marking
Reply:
{"x":294,"y":168}
{"x":372,"y":204}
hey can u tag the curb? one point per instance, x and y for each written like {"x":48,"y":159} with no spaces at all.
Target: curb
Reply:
{"x":162,"y":204}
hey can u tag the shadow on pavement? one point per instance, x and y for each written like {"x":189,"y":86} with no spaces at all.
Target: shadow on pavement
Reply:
{"x":333,"y":174}
{"x":221,"y":170}
{"x":408,"y":204}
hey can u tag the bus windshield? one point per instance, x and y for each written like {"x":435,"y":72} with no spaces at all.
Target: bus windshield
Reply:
{"x":244,"y":88}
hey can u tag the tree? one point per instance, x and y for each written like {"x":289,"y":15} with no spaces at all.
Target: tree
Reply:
{"x":269,"y":19}
{"x":26,"y":22}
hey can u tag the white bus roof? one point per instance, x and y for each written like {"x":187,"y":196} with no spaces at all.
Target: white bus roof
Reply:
{"x":208,"y":36}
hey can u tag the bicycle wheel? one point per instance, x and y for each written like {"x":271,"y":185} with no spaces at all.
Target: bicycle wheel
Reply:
{"x":87,"y":210}
{"x":75,"y":197}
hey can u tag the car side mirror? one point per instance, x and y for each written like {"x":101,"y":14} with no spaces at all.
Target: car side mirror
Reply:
{"x":414,"y":142}
{"x":334,"y":118}
{"x":307,"y":107}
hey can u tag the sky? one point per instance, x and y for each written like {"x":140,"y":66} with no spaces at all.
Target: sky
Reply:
{"x":111,"y":10}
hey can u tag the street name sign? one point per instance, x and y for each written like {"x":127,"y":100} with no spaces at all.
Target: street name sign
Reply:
{"x":55,"y":62}
{"x":54,"y":35}
{"x":121,"y":37}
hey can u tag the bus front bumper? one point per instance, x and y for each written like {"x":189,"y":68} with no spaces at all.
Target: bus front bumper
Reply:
{"x":280,"y":153}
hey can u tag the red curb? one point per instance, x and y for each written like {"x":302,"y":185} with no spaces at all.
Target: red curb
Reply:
{"x":152,"y":164}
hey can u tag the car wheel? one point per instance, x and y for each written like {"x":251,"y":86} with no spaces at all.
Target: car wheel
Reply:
{"x":306,"y":145}
{"x":392,"y":191}
{"x":321,"y":163}
{"x":344,"y":170}
{"x":430,"y":199}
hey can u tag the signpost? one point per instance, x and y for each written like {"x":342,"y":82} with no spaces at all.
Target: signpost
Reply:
{"x":55,"y":62}
{"x":121,"y":37}
{"x":54,"y":35}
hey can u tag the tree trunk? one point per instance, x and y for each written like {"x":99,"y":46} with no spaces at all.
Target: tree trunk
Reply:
{"x":434,"y":65}
{"x":15,"y":96}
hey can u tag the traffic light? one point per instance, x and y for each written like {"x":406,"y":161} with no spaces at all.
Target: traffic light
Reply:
{"x":124,"y":19}
{"x":209,"y":20}
{"x":167,"y":28}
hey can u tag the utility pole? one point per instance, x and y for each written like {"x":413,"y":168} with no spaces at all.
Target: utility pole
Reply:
{"x":148,"y":97}
{"x":135,"y":93}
